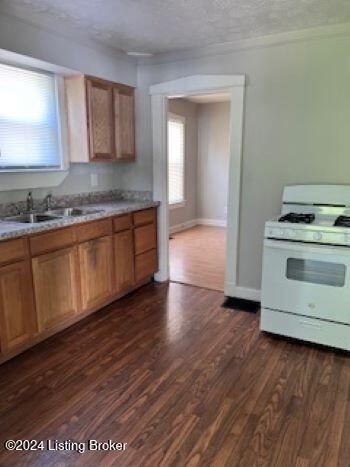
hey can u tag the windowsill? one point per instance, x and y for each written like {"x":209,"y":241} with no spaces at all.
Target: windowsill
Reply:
{"x":177,"y":205}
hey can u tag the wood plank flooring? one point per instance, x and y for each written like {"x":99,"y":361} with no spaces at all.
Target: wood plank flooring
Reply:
{"x":184,"y":383}
{"x":197,"y":257}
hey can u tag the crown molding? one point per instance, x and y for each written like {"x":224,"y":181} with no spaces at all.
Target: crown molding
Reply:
{"x":321,"y":32}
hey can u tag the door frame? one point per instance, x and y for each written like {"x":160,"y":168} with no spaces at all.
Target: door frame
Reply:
{"x":183,"y":87}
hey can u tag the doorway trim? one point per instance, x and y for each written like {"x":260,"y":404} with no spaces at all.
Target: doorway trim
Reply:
{"x":183,"y":87}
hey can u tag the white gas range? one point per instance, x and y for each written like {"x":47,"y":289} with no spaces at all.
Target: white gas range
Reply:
{"x":306,"y":266}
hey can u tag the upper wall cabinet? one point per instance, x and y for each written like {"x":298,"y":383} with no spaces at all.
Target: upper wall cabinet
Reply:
{"x":101,"y":120}
{"x":124,"y":122}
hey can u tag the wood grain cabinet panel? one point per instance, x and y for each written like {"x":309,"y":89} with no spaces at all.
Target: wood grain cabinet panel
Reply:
{"x":145,"y":216}
{"x":13,"y":250}
{"x":122,"y":223}
{"x":94,"y":229}
{"x":100,"y":119}
{"x":50,"y":241}
{"x":146,"y":265}
{"x":96,"y":271}
{"x":56,"y":286}
{"x":17,"y":315}
{"x":124,"y":260}
{"x":145,"y":238}
{"x":124,"y":123}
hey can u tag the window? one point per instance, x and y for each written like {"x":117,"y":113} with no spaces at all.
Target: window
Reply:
{"x":29,"y":122}
{"x":176,"y":159}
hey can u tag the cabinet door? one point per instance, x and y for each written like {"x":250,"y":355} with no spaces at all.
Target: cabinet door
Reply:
{"x":96,"y":271}
{"x":17,"y":316}
{"x":145,"y":238}
{"x":100,"y":119}
{"x":124,"y":124}
{"x":56,"y":286}
{"x":146,"y":264}
{"x":123,"y":260}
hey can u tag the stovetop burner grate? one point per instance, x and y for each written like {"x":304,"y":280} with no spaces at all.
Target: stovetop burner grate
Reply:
{"x":342,"y":221}
{"x":297,"y":218}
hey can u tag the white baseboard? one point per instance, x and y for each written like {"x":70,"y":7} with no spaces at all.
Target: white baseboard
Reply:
{"x":232,"y":290}
{"x":213,"y":222}
{"x":183,"y":226}
{"x":188,"y":224}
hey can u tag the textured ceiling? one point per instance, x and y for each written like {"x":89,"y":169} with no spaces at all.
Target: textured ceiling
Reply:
{"x":165,"y":25}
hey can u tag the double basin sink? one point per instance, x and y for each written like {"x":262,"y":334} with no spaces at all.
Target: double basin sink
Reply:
{"x":52,"y":215}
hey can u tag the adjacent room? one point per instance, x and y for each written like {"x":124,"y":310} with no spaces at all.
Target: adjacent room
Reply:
{"x":174,"y":233}
{"x":198,"y":167}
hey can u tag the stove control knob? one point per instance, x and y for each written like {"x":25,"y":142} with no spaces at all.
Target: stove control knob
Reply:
{"x":292,"y":233}
{"x":347,"y":238}
{"x":280,"y":232}
{"x":317,"y":236}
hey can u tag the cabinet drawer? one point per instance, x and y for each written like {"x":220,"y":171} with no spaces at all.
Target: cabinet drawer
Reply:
{"x":122,"y":223}
{"x":13,"y":250}
{"x":146,"y":264}
{"x":94,"y":230}
{"x":145,"y":238}
{"x":52,"y":240}
{"x":145,"y":217}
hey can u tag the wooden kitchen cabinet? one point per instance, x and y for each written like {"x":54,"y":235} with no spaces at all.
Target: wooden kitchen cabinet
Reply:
{"x":96,"y":271}
{"x":146,"y":264}
{"x":124,"y":260}
{"x":52,"y":279}
{"x":17,"y":315}
{"x":101,"y":120}
{"x":145,"y":238}
{"x":56,"y":286}
{"x":124,"y":118}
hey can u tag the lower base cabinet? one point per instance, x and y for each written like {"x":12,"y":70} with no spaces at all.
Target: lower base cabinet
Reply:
{"x":96,"y":271}
{"x":17,"y":315}
{"x":50,"y":280}
{"x":124,"y":260}
{"x":56,"y":286}
{"x":146,"y":264}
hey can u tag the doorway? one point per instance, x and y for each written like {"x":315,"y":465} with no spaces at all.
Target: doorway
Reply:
{"x":183,"y":87}
{"x":198,"y":167}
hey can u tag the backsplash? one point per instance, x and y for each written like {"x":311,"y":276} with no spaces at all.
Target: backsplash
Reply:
{"x":80,"y":199}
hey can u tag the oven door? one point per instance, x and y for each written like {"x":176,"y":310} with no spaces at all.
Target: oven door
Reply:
{"x":306,"y":279}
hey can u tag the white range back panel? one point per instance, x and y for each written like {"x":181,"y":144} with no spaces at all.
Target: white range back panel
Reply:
{"x":334,"y":195}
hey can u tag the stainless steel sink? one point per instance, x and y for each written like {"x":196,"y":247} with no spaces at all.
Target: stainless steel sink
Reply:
{"x":31,"y":218}
{"x":73,"y":212}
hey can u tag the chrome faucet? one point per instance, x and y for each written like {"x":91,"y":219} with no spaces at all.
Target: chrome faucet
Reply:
{"x":30,"y":202}
{"x":48,"y":201}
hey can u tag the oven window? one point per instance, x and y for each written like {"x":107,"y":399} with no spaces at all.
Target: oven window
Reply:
{"x":316,"y":272}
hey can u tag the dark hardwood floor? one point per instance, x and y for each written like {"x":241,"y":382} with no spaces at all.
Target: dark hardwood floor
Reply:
{"x":184,"y":383}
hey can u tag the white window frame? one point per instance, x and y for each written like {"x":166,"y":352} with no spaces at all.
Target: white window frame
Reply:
{"x":182,"y":119}
{"x":61,"y":124}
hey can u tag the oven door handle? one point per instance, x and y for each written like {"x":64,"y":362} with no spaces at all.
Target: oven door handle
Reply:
{"x":305,"y":247}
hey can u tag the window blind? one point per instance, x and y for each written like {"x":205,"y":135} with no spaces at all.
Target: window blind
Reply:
{"x":176,"y":160}
{"x":29,"y":136}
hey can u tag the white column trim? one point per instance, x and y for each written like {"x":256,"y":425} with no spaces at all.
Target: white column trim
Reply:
{"x":160,"y":181}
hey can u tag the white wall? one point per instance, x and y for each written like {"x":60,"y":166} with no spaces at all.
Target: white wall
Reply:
{"x":188,"y":212}
{"x":213,"y":160}
{"x":296,"y":128}
{"x":19,"y":37}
